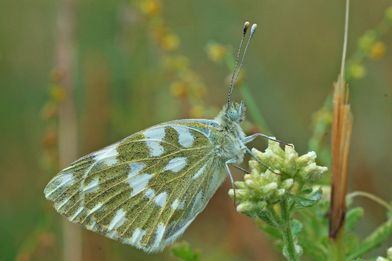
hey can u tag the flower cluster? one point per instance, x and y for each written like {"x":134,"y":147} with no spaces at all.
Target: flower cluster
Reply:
{"x":186,"y":85}
{"x":388,"y":257}
{"x":370,"y":45}
{"x":276,"y":174}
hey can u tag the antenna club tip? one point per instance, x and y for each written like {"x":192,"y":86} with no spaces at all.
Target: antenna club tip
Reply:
{"x":253,"y":28}
{"x":245,"y":28}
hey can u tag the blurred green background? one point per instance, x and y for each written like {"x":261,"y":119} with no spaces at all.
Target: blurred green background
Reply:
{"x":137,"y":63}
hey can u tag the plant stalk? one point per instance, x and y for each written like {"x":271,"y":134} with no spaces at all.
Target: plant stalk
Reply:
{"x":67,"y":122}
{"x":287,"y":233}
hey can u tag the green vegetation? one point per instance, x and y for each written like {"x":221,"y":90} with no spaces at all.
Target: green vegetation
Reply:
{"x":136,"y":63}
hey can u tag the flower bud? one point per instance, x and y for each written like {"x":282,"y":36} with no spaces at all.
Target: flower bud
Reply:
{"x":389,"y":253}
{"x":246,"y":206}
{"x":288,"y":183}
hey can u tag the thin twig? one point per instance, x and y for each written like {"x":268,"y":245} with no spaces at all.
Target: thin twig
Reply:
{"x":67,"y":120}
{"x":372,"y":197}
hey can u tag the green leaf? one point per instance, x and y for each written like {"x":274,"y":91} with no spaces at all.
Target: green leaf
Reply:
{"x":296,"y":226}
{"x":374,"y":240}
{"x":270,"y":230}
{"x":352,"y":217}
{"x":184,"y":252}
{"x":308,"y":200}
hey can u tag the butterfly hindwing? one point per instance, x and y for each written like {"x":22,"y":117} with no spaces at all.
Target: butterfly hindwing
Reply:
{"x":146,"y":189}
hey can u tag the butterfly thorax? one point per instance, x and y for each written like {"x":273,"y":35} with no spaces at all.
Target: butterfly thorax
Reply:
{"x":230,"y":145}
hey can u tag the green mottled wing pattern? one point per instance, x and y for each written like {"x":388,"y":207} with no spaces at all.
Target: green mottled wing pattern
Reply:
{"x":145,"y":190}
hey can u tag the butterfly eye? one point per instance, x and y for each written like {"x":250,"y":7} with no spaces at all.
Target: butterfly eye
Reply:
{"x":233,"y":115}
{"x":236,"y":112}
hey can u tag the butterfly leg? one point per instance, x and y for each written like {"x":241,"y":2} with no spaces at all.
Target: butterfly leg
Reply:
{"x":254,"y":136}
{"x":231,"y":179}
{"x":257,"y":159}
{"x":242,"y":169}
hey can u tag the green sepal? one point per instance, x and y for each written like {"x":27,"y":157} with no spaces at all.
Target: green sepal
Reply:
{"x":267,"y":218}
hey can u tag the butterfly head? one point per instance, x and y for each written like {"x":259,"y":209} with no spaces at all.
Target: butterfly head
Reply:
{"x":235,"y":112}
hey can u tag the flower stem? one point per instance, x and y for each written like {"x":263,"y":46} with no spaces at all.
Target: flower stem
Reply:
{"x":372,"y":197}
{"x":337,"y":249}
{"x":287,"y":233}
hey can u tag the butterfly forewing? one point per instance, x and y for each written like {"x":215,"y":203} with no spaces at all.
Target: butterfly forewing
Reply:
{"x":146,"y":189}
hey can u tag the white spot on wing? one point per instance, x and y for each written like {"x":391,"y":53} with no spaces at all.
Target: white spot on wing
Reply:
{"x":176,"y":164}
{"x":92,"y":186}
{"x":185,"y":137}
{"x":136,"y":167}
{"x":138,"y":183}
{"x":107,"y":155}
{"x":76,"y":214}
{"x":181,"y":205}
{"x":199,"y":172}
{"x":160,"y":200}
{"x":61,"y":204}
{"x":95,"y":208}
{"x":155,"y":136}
{"x":197,"y":203}
{"x":155,"y":133}
{"x":175,"y":204}
{"x":137,"y":236}
{"x":118,"y":219}
{"x":113,"y":234}
{"x":65,"y":179}
{"x":156,"y":149}
{"x":158,"y":236}
{"x":149,"y":193}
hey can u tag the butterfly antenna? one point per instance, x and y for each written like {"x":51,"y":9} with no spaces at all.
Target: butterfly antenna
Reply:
{"x":237,"y":60}
{"x":252,"y":32}
{"x":342,"y":67}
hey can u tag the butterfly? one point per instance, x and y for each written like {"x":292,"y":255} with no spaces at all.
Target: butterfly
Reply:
{"x":146,"y":189}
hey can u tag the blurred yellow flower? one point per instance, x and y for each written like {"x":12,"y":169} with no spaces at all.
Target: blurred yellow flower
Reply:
{"x":170,"y":42}
{"x":357,"y":70}
{"x":367,"y":40}
{"x":197,"y":111}
{"x":178,"y":89}
{"x":50,"y":139}
{"x":150,"y":7}
{"x":378,"y":50}
{"x":175,"y":63}
{"x":57,"y":93}
{"x":216,"y":52}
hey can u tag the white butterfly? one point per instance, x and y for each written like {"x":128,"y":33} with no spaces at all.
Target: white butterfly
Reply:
{"x":147,"y":189}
